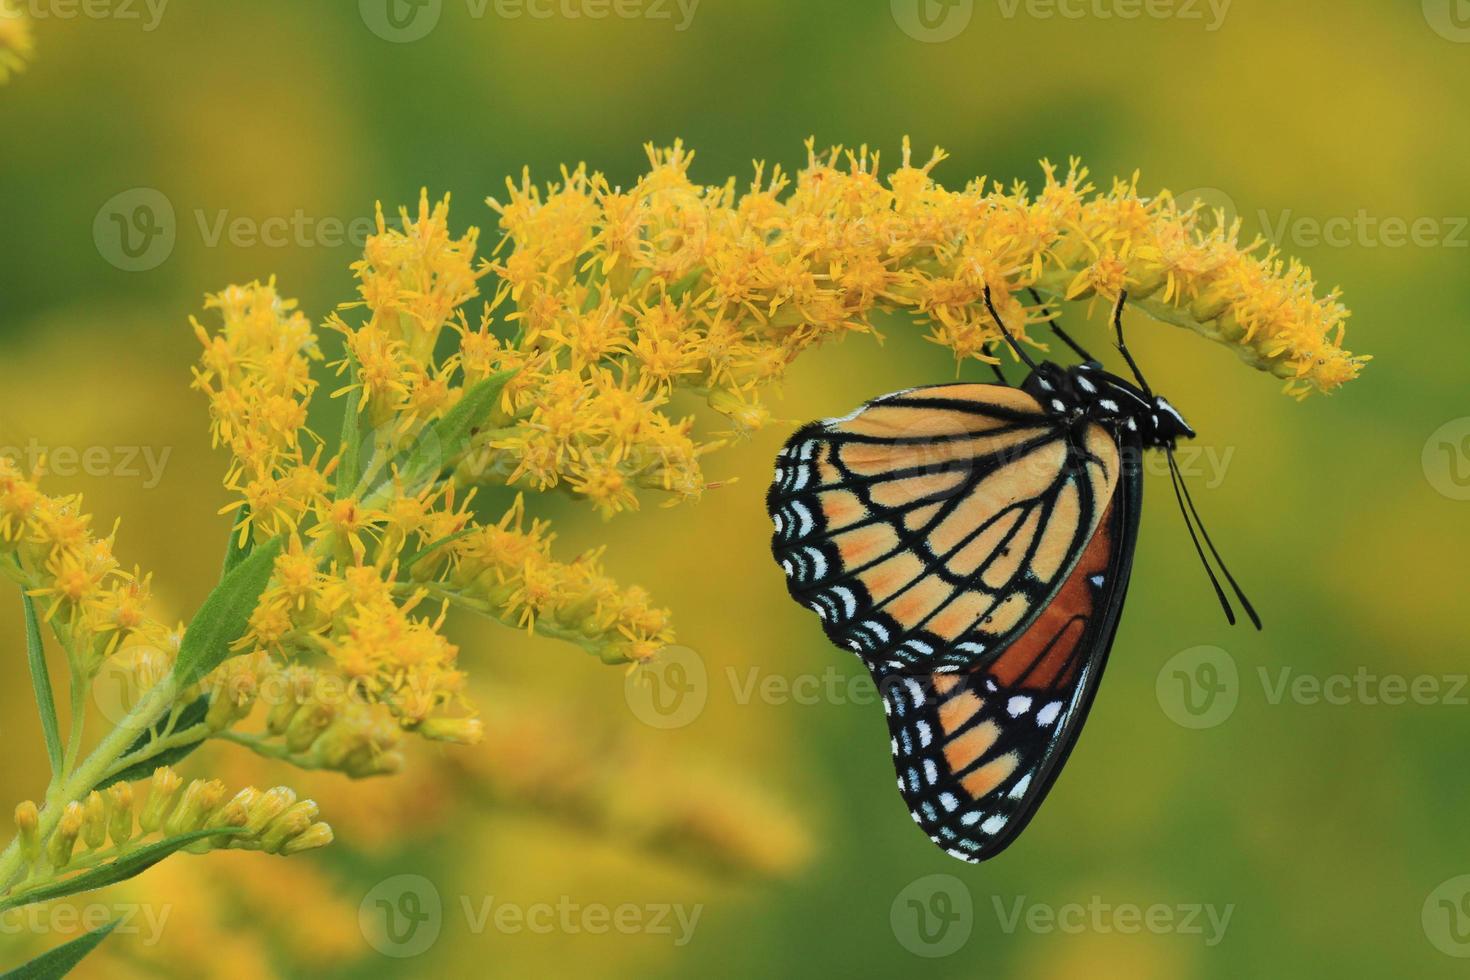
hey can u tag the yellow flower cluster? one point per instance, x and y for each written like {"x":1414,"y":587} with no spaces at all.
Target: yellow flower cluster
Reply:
{"x":412,"y":282}
{"x":589,"y":432}
{"x":355,"y":617}
{"x":314,"y":719}
{"x":507,"y":571}
{"x":383,"y":524}
{"x":48,"y":546}
{"x":256,"y":370}
{"x":16,"y":44}
{"x":674,"y":284}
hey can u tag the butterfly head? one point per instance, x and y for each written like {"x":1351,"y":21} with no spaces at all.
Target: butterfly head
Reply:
{"x":1166,"y":424}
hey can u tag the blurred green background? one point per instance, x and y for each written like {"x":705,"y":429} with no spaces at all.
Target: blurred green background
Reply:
{"x":1331,"y":829}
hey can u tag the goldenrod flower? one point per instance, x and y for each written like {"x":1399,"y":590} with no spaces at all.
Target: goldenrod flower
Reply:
{"x":48,"y":546}
{"x":719,"y":291}
{"x":256,"y":370}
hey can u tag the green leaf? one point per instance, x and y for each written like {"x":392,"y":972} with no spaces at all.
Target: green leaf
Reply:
{"x":41,"y":681}
{"x":130,"y":864}
{"x":447,"y":438}
{"x":225,"y":614}
{"x":235,"y":552}
{"x":455,"y":427}
{"x":58,"y":962}
{"x":188,"y":718}
{"x":351,"y":441}
{"x":434,"y":546}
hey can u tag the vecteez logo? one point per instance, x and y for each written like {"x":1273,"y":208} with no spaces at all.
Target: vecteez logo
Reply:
{"x":401,"y":916}
{"x":401,"y":21}
{"x":136,"y":229}
{"x":1199,"y":687}
{"x":1446,"y":917}
{"x":933,"y":21}
{"x":933,"y":916}
{"x":1450,"y":19}
{"x":670,"y":691}
{"x":1446,"y":459}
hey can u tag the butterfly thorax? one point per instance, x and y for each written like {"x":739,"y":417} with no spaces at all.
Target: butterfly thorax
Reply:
{"x":1086,"y":393}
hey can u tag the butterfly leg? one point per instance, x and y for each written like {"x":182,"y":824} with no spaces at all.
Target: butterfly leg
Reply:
{"x":1056,"y":327}
{"x":1123,"y":347}
{"x":1000,"y":376}
{"x":1000,"y":324}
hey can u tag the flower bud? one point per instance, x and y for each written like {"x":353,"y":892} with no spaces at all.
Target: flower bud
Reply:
{"x":461,"y":731}
{"x":27,"y":820}
{"x":307,"y":724}
{"x":317,"y":835}
{"x":200,"y":799}
{"x":231,"y":700}
{"x":162,"y":792}
{"x":748,"y":417}
{"x":267,"y":807}
{"x":64,"y":838}
{"x":241,"y":801}
{"x":94,"y":820}
{"x":120,"y":812}
{"x":295,"y":820}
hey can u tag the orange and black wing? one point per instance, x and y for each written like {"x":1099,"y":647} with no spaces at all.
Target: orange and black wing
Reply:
{"x":931,"y":527}
{"x":977,"y":751}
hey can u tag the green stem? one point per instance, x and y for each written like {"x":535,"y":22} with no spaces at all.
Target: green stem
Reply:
{"x":190,"y":735}
{"x":260,"y":746}
{"x":147,"y":711}
{"x":89,"y":860}
{"x":74,"y":737}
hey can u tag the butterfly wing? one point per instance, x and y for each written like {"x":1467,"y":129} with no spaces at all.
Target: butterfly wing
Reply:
{"x":930,"y":528}
{"x":976,"y":752}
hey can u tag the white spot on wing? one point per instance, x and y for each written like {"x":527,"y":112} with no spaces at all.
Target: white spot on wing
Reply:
{"x":804,"y":516}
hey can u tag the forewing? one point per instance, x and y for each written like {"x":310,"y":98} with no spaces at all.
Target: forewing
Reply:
{"x":929,"y":528}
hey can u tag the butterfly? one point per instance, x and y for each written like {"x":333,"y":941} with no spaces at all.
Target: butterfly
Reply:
{"x":972,"y":544}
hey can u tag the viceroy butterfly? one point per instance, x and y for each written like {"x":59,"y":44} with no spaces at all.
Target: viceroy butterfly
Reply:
{"x":972,"y":544}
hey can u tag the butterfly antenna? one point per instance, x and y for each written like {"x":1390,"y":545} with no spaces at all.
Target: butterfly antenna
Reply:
{"x":1175,"y":479}
{"x":1056,"y":327}
{"x":1122,"y":347}
{"x":1015,"y":347}
{"x":1188,"y":500}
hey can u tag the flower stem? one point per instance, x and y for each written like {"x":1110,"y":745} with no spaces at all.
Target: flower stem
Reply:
{"x":188,"y":736}
{"x":74,"y":738}
{"x":87,"y":775}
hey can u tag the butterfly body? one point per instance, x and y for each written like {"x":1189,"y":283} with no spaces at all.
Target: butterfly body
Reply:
{"x":1086,"y":393}
{"x":972,"y":544}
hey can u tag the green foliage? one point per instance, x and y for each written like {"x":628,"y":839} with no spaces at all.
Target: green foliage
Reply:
{"x":225,"y":614}
{"x":59,"y":962}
